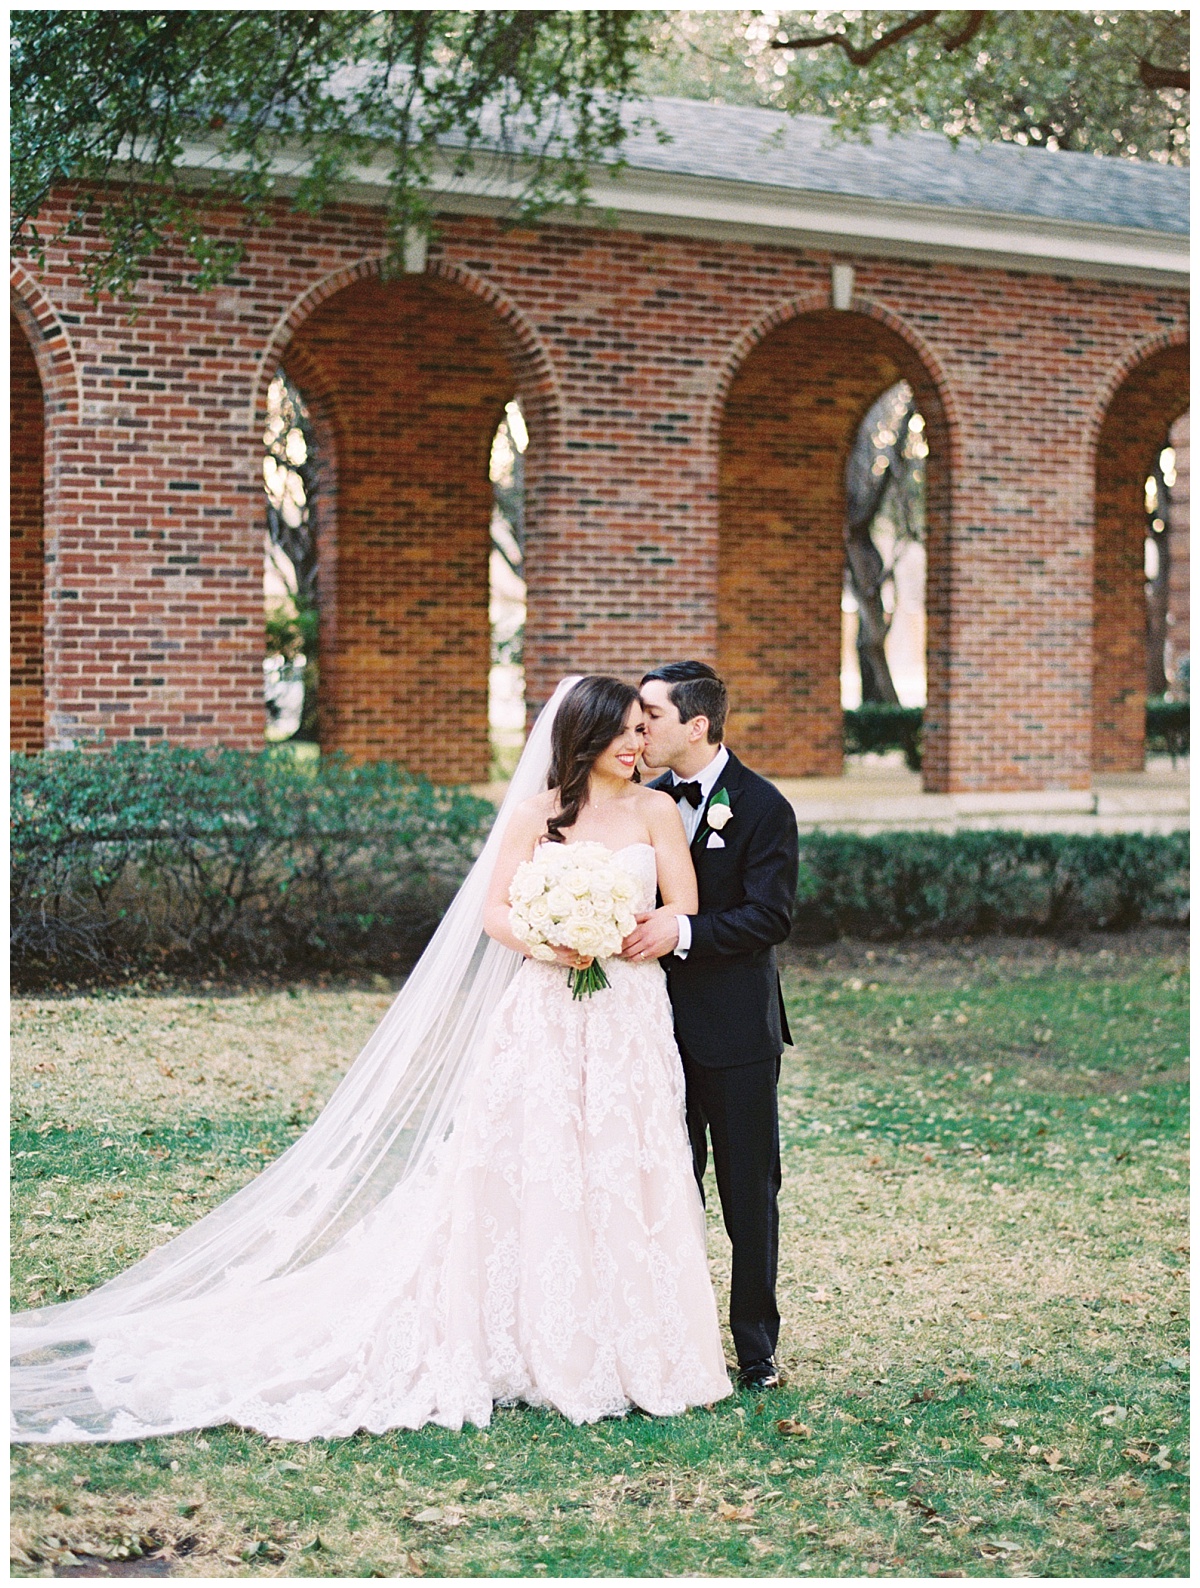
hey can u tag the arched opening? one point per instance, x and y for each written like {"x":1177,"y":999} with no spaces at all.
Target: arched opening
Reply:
{"x":27,"y":709}
{"x":791,"y":417}
{"x":407,"y":381}
{"x":883,"y":600}
{"x":1135,"y":432}
{"x":507,"y":593}
{"x":291,"y":475}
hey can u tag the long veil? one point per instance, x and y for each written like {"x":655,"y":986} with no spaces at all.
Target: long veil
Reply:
{"x":395,"y":1103}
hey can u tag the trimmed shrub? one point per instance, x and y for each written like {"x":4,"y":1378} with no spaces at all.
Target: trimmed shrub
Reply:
{"x":204,"y":861}
{"x":1169,"y":726}
{"x":956,"y":884}
{"x":877,"y":728}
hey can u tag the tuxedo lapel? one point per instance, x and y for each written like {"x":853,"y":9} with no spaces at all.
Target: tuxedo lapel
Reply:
{"x":729,"y":779}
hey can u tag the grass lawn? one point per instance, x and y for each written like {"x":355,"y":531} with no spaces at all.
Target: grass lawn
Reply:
{"x":983,"y":1286}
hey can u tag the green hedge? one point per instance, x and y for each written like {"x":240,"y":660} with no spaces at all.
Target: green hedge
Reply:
{"x":875,"y":728}
{"x":953,"y":884}
{"x":1169,"y":726}
{"x":216,"y":862}
{"x":208,"y":861}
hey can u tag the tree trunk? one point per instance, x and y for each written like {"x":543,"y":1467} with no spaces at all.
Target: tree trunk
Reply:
{"x":1158,"y":594}
{"x":866,"y":570}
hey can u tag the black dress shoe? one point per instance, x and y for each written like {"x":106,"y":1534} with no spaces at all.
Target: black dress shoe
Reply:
{"x":762,"y":1375}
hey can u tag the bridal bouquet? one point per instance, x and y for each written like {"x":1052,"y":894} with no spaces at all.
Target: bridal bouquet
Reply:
{"x":573,"y":896}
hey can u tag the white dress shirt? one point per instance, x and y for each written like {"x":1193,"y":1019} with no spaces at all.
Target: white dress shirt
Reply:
{"x":691,"y":825}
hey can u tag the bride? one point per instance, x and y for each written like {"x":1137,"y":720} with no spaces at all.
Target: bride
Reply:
{"x":497,"y":1204}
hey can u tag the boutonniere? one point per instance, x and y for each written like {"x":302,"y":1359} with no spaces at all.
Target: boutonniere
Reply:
{"x":718,"y":814}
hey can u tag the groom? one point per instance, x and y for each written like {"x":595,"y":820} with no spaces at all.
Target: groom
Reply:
{"x":729,"y":1018}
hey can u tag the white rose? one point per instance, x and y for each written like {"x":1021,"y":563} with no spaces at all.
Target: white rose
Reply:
{"x":586,"y":937}
{"x":526,"y":885}
{"x":718,"y":816}
{"x":540,"y":951}
{"x":577,"y":881}
{"x":559,"y":902}
{"x":626,"y":924}
{"x":538,"y":910}
{"x":623,"y":887}
{"x":584,"y":910}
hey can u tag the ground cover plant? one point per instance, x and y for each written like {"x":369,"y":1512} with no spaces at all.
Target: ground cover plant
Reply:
{"x":983,"y":1285}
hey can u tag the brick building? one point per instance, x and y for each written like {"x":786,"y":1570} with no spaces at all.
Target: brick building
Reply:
{"x":692,"y":367}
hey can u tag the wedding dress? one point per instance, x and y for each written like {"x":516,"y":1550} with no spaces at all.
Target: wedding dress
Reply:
{"x":516,"y":1222}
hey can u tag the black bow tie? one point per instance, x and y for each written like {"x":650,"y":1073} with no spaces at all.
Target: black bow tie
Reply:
{"x":692,"y":792}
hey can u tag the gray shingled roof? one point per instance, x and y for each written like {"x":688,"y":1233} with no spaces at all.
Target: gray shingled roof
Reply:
{"x":741,"y":144}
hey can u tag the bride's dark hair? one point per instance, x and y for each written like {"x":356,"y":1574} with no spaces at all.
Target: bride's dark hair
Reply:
{"x":589,"y":719}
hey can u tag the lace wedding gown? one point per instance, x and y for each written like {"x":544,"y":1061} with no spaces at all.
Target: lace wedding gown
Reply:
{"x":548,"y":1248}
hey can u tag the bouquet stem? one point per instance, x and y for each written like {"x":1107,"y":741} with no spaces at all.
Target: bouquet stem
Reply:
{"x":583,"y":983}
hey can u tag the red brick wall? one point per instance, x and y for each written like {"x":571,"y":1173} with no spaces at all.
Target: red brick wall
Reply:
{"x":1135,"y":430}
{"x":26,"y":548}
{"x":623,"y":347}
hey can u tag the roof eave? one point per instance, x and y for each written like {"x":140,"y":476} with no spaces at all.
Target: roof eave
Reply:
{"x":710,"y":207}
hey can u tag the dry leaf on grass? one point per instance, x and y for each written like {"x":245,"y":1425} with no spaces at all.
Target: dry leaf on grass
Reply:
{"x":734,"y":1513}
{"x":789,"y":1426}
{"x":992,"y":1441}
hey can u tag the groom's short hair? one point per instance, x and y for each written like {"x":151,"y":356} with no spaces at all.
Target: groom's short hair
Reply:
{"x":695,"y":690}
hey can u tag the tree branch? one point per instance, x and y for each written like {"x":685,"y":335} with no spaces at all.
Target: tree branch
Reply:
{"x":975,"y":21}
{"x":862,"y":57}
{"x":1164,"y":76}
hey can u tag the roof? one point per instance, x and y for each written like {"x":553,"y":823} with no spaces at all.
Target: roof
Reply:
{"x":769,"y":148}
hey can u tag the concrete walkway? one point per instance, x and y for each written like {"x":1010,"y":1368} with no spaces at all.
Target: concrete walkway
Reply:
{"x":879,"y":793}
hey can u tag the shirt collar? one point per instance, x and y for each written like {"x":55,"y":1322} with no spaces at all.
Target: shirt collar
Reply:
{"x":707,"y":779}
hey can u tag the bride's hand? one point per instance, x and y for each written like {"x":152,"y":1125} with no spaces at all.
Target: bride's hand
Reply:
{"x":571,"y":959}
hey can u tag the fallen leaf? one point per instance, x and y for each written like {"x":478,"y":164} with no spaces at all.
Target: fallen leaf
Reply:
{"x":960,"y":1376}
{"x":734,"y":1513}
{"x":821,"y":1294}
{"x":976,"y":1317}
{"x":1053,"y":1458}
{"x":789,"y":1425}
{"x":992,"y":1441}
{"x":1144,"y":1543}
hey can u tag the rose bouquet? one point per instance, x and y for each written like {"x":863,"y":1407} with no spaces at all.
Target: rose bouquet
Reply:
{"x":573,"y":896}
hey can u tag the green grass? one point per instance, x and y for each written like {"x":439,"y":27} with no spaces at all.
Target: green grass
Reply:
{"x":983,"y":1285}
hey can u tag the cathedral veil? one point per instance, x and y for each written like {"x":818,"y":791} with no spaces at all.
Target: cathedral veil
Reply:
{"x":395,"y":1102}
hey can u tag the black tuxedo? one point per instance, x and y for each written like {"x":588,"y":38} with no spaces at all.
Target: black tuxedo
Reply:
{"x":731,"y":1028}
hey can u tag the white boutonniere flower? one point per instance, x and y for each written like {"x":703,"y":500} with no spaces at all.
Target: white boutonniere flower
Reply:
{"x":719,"y":813}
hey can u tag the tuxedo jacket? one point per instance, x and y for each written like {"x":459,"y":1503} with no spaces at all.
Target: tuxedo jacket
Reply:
{"x":726,"y":995}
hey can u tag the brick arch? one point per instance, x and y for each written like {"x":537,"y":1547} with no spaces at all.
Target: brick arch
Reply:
{"x":52,"y":348}
{"x":795,"y":387}
{"x":1144,"y":393}
{"x":786,"y":309}
{"x":1119,"y":371}
{"x":407,"y":376}
{"x":538,"y":381}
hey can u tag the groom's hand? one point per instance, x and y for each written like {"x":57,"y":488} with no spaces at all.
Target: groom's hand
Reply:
{"x":657,"y":934}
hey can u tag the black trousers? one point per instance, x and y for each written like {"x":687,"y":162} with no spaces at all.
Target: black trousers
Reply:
{"x":737,"y":1109}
